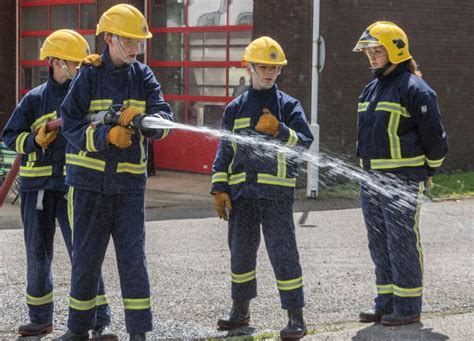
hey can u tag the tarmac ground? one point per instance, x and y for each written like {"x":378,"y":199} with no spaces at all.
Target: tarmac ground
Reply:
{"x":188,"y":263}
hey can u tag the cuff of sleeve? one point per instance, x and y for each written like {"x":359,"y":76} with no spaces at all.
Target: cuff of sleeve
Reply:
{"x":101,"y":141}
{"x":219,"y":187}
{"x":283,"y":132}
{"x":31,"y":145}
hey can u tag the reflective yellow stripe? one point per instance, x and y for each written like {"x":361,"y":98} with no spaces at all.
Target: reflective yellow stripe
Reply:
{"x":84,"y":161}
{"x":82,"y":305}
{"x":290,"y":284}
{"x":385,"y":289}
{"x":31,"y":300}
{"x":281,"y":161}
{"x":362,"y":106}
{"x":165,"y":133}
{"x":43,"y":119}
{"x":64,"y":170}
{"x":136,"y":303}
{"x":407,"y":292}
{"x":20,"y":143}
{"x":100,"y":104}
{"x":241,"y":123}
{"x":269,"y":179}
{"x":133,"y":168}
{"x":101,"y":300}
{"x":70,"y":210}
{"x":421,"y":189}
{"x":395,"y":163}
{"x":219,"y":177}
{"x":90,"y":139}
{"x":394,"y":140}
{"x":293,"y":138}
{"x":234,"y":148}
{"x":393,"y":107}
{"x":140,"y":105}
{"x":32,"y":157}
{"x":434,"y":163}
{"x":235,"y":179}
{"x":243,"y":278}
{"x":31,"y":172}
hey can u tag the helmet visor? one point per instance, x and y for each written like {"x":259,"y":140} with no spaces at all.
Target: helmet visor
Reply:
{"x":361,"y":45}
{"x":366,"y":40}
{"x":132,"y":44}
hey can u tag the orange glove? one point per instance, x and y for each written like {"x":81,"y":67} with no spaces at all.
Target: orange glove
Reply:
{"x":44,"y":138}
{"x":92,"y":59}
{"x":128,"y":115}
{"x":221,"y":202}
{"x":268,"y":124}
{"x":120,"y":136}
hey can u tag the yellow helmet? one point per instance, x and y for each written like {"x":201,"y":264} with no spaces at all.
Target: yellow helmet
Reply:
{"x":264,"y":50}
{"x":388,"y":35}
{"x":124,"y":20}
{"x":65,"y":44}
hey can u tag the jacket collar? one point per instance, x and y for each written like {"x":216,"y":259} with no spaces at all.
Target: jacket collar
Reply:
{"x":56,"y":88}
{"x":401,"y":68}
{"x":108,"y":65}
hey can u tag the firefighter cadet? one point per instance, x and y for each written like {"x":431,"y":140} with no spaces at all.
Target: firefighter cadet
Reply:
{"x":401,"y":143}
{"x":257,"y":186}
{"x":42,"y":180}
{"x":107,"y":171}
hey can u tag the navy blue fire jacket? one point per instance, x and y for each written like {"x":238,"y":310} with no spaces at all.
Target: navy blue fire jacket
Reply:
{"x":399,"y":126}
{"x":39,"y":169}
{"x":92,"y":163}
{"x":253,"y":171}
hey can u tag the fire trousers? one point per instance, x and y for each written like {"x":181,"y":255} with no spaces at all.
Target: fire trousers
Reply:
{"x":39,"y":212}
{"x":97,"y":217}
{"x":392,"y":217}
{"x":276,"y":218}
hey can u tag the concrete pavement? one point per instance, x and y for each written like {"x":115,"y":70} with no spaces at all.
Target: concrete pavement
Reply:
{"x":188,"y":263}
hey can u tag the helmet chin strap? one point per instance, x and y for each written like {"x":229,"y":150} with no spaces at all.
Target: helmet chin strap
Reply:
{"x":377,"y":72}
{"x":65,"y":67}
{"x":124,"y":58}
{"x":259,"y":80}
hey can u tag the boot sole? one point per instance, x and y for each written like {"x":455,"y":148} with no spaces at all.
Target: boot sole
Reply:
{"x":227,"y":326}
{"x":370,"y":319}
{"x":294,"y":337}
{"x":394,"y":323}
{"x":44,"y":331}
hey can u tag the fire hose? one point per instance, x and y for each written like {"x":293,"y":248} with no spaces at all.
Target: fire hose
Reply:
{"x":110,"y":116}
{"x":15,"y":167}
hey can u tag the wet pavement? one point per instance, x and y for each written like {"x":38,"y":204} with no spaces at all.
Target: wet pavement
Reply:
{"x":188,"y":262}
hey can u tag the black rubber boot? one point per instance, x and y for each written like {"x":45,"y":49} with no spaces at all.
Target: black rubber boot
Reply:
{"x":296,"y":327}
{"x":400,"y":320}
{"x":103,"y":333}
{"x":370,"y":316}
{"x":138,"y":337}
{"x":239,"y":316}
{"x":70,"y":336}
{"x":35,"y":329}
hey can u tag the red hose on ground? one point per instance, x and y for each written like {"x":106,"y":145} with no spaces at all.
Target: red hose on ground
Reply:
{"x":15,"y":167}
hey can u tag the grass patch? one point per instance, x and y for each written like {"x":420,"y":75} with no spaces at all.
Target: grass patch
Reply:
{"x":459,"y":185}
{"x":453,"y":186}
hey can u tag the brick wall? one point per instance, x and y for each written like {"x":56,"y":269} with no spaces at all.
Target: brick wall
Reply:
{"x":290,"y":26}
{"x":7,"y":60}
{"x":441,"y":41}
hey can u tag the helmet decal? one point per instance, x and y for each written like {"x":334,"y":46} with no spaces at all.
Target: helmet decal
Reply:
{"x":399,"y":43}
